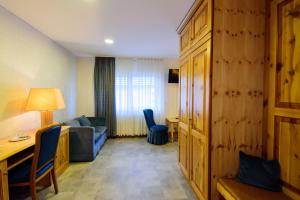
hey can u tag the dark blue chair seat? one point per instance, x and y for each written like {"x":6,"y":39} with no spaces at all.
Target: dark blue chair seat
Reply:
{"x":159,"y":128}
{"x":21,"y":173}
{"x":158,"y":134}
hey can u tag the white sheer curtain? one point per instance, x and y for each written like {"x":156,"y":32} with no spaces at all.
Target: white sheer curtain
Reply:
{"x":139,"y":84}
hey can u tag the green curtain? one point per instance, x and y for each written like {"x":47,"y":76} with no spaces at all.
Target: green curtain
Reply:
{"x":104,"y":84}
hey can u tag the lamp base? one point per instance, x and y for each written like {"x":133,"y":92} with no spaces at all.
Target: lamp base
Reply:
{"x":46,"y":118}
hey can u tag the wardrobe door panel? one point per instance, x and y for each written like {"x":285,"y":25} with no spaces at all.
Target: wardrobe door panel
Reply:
{"x":184,"y":148}
{"x":200,"y":112}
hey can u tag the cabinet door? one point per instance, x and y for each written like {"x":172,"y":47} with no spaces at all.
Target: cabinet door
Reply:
{"x":200,"y":103}
{"x":185,"y":38}
{"x":183,"y":129}
{"x":62,"y":155}
{"x":65,"y":149}
{"x":201,"y":22}
{"x":184,"y":87}
{"x":4,"y":195}
{"x":183,"y":140}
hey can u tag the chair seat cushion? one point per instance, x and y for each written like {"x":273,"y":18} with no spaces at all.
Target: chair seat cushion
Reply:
{"x":21,"y":173}
{"x":159,"y":128}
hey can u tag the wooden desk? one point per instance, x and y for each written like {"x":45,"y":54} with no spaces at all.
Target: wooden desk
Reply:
{"x":172,"y":122}
{"x":10,"y":151}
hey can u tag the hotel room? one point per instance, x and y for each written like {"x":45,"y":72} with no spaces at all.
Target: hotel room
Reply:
{"x":150,"y":99}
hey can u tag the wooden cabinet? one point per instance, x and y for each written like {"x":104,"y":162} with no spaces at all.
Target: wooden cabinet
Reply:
{"x":3,"y":181}
{"x":283,"y":129}
{"x":62,"y":155}
{"x":221,"y":90}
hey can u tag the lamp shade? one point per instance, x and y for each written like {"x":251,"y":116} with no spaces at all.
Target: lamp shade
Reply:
{"x":45,"y":99}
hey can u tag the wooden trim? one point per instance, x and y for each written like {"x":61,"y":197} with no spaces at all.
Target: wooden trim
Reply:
{"x":224,"y":192}
{"x":189,"y":15}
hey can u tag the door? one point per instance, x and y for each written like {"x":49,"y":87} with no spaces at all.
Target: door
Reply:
{"x":183,"y":127}
{"x":200,"y":118}
{"x":284,"y":91}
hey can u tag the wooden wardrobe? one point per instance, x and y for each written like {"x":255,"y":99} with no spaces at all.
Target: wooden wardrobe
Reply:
{"x":222,"y":54}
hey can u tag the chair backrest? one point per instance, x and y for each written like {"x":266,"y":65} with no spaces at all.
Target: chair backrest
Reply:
{"x":46,"y":142}
{"x":148,"y":113}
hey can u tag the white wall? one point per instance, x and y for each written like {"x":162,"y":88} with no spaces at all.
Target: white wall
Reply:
{"x":172,"y":89}
{"x":30,"y":59}
{"x":85,"y":88}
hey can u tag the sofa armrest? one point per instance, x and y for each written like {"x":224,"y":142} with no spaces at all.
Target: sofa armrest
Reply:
{"x":82,"y":139}
{"x":97,"y":121}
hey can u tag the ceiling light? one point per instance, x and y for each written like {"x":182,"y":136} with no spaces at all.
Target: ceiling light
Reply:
{"x":108,"y":41}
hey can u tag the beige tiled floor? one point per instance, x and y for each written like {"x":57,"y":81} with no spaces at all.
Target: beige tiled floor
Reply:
{"x":125,"y":169}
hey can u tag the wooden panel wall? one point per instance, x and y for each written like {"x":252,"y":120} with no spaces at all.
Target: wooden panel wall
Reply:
{"x":237,"y":86}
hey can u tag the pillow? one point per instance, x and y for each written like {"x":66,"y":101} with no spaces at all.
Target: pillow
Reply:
{"x":84,"y":121}
{"x":259,"y":172}
{"x":73,"y":123}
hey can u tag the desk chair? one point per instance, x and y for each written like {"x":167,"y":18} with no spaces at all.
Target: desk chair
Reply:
{"x":158,"y":134}
{"x":33,"y":170}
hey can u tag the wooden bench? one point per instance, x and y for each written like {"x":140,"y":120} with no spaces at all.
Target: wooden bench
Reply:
{"x":231,"y":189}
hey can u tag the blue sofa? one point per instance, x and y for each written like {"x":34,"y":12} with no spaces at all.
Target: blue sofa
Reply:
{"x":87,"y":136}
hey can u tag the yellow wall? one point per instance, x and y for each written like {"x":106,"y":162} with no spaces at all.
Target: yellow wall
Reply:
{"x":30,"y":59}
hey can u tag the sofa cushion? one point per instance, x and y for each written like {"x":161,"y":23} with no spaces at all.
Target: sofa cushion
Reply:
{"x":84,"y":121}
{"x":74,"y":123}
{"x":99,"y":131}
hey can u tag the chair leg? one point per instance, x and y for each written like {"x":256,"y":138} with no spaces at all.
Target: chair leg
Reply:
{"x":33,"y":190}
{"x":54,"y":180}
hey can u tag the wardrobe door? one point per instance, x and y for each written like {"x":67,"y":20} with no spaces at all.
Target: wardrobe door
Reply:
{"x":200,"y":105}
{"x":183,"y":128}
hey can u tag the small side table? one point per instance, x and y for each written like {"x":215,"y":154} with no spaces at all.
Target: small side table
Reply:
{"x":172,"y":122}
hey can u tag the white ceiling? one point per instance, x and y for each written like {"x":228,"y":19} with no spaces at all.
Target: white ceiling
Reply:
{"x":140,"y":28}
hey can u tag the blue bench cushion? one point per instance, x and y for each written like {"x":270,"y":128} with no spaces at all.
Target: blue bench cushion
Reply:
{"x":21,"y":173}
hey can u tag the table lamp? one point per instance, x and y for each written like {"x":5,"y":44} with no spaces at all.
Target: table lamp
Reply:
{"x":45,"y":100}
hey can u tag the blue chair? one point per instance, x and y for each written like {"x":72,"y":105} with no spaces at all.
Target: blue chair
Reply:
{"x":42,"y":163}
{"x":158,"y":134}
